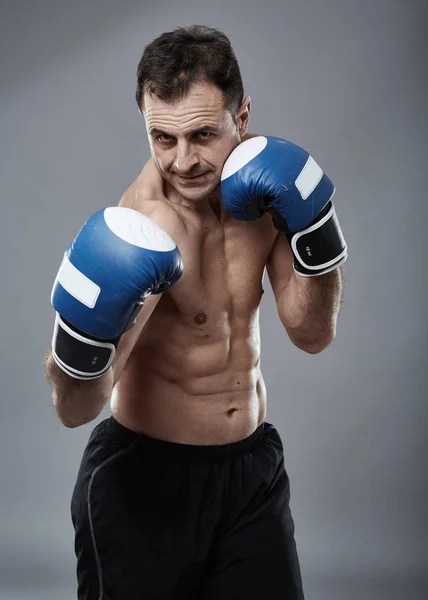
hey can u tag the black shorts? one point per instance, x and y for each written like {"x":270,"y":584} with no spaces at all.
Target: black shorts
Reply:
{"x":159,"y":520}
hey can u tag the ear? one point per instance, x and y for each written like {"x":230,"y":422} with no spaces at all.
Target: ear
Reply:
{"x":243,"y":116}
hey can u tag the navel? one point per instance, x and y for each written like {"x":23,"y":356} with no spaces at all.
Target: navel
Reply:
{"x":201,"y":318}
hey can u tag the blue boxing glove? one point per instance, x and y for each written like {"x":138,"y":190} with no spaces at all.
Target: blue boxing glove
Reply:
{"x":118,"y":258}
{"x":268,"y":173}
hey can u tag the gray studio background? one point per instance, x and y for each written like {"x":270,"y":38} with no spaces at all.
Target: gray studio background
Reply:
{"x":346,"y":81}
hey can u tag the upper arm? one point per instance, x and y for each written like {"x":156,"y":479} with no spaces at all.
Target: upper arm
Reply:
{"x":279,"y":264}
{"x":129,"y":338}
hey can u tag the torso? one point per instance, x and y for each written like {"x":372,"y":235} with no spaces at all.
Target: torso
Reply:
{"x":194,"y":374}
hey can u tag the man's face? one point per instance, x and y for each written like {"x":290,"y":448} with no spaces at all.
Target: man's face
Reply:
{"x":191,"y":139}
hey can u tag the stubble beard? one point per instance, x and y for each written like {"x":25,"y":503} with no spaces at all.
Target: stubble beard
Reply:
{"x":206,"y":193}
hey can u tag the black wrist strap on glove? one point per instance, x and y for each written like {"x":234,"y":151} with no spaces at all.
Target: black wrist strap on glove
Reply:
{"x":79,"y":355}
{"x":321,"y":247}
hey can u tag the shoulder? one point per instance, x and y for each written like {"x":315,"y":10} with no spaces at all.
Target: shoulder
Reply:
{"x":146,"y":195}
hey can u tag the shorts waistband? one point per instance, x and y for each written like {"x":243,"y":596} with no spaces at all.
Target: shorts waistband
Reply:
{"x":186,"y":451}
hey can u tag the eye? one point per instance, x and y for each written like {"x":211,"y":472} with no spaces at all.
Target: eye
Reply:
{"x":204,"y":134}
{"x":163,"y":137}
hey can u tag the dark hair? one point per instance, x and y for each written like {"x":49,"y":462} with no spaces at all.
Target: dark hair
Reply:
{"x":177,"y":59}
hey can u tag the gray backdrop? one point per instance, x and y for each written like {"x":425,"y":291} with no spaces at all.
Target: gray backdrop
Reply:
{"x":346,"y":81}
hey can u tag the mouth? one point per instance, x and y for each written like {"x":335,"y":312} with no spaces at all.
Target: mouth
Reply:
{"x":194,"y":179}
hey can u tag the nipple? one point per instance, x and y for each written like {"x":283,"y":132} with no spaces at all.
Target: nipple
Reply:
{"x":201,"y":318}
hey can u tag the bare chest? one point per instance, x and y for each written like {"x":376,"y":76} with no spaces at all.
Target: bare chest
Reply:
{"x":223,"y":274}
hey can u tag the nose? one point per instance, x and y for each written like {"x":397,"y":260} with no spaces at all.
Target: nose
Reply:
{"x":186,"y":159}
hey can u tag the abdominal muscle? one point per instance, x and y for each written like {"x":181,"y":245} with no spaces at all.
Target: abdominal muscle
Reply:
{"x":181,"y":387}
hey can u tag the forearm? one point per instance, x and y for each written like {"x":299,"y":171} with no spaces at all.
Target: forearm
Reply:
{"x":77,"y":401}
{"x":309,"y":307}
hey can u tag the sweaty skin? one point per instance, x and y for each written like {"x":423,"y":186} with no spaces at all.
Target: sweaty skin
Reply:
{"x":194,"y":374}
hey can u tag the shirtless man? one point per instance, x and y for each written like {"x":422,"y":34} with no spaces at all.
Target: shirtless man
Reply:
{"x":182,"y":493}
